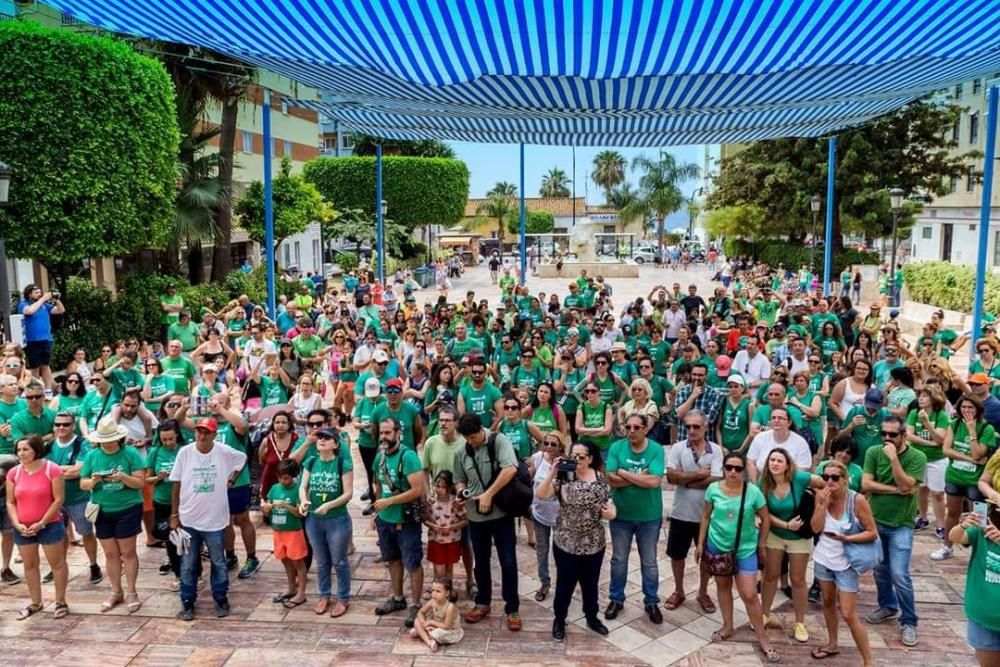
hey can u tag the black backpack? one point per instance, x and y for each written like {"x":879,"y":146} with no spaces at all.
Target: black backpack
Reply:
{"x":516,"y":497}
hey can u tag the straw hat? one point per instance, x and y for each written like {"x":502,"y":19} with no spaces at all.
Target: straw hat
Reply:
{"x":108,"y":430}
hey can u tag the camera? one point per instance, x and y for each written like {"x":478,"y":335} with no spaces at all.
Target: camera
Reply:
{"x":566,"y":471}
{"x":465,"y":494}
{"x":56,"y":295}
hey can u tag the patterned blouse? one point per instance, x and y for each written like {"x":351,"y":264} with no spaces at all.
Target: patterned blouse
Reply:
{"x":445,"y":513}
{"x":579,"y":530}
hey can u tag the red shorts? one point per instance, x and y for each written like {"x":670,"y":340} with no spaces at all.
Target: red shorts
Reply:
{"x":444,"y":554}
{"x":290,"y":544}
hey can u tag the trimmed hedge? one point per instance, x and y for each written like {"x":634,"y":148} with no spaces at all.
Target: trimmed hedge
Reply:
{"x":419,"y":191}
{"x":776,"y":251}
{"x":949,"y":286}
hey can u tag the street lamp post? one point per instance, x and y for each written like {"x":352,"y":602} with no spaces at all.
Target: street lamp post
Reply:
{"x":896,"y":202}
{"x":383,"y":208}
{"x":5,"y":176}
{"x":814,"y":204}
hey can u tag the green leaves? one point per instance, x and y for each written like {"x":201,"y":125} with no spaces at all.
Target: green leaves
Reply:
{"x":297,"y":202}
{"x":949,"y":286}
{"x":90,"y":131}
{"x":535,"y":222}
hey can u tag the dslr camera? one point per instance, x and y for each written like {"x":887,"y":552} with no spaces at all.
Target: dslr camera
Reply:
{"x":465,"y":494}
{"x":566,"y":471}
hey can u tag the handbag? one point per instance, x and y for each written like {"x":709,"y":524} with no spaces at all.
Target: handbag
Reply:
{"x":863,"y":556}
{"x":804,"y":511}
{"x":724,"y":564}
{"x":91,"y":511}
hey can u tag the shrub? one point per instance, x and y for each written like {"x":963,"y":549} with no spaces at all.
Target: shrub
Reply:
{"x":347,"y":261}
{"x":778,"y":251}
{"x":949,"y":286}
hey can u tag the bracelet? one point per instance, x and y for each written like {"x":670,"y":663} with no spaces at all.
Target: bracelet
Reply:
{"x":175,"y":516}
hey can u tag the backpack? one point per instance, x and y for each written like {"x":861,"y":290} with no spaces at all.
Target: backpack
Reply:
{"x":516,"y":497}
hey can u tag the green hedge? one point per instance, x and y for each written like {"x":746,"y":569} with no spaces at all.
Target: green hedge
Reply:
{"x":776,"y":251}
{"x":419,"y":191}
{"x":949,"y":286}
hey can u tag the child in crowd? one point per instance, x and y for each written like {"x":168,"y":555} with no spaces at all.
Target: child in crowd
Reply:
{"x":445,"y":517}
{"x":437,"y":621}
{"x":289,"y":538}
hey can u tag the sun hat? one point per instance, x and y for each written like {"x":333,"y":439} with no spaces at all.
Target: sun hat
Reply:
{"x":108,"y":430}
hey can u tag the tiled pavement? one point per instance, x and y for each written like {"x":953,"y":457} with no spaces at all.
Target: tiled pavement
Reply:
{"x":261,"y":633}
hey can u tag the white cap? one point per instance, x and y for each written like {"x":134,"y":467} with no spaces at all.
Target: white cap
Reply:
{"x":379,"y":356}
{"x":372,"y":387}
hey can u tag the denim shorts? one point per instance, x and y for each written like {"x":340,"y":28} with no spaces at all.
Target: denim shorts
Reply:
{"x":982,"y":638}
{"x":53,"y":533}
{"x":119,"y":525}
{"x":76,"y":514}
{"x":847,"y":580}
{"x":746,"y":565}
{"x":970,"y":492}
{"x":401,"y":542}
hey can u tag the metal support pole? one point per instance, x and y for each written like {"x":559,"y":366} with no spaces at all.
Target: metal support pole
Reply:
{"x":379,"y":222}
{"x":523,"y":228}
{"x":831,"y":166}
{"x":893,"y":288}
{"x":984,"y":213}
{"x":5,"y":293}
{"x":268,"y":206}
{"x":812,"y":252}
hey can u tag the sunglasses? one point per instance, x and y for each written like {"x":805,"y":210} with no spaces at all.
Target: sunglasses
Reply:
{"x":634,"y":427}
{"x":173,"y":404}
{"x":579,"y":457}
{"x":546,"y":443}
{"x":512,"y":406}
{"x":394,"y":390}
{"x":317,"y":424}
{"x":72,"y":381}
{"x":693,"y":426}
{"x":34,"y":398}
{"x":590,"y":391}
{"x":832,"y":478}
{"x":381,"y":363}
{"x":600,"y":363}
{"x":891,"y":434}
{"x":732,"y":468}
{"x":63,"y":425}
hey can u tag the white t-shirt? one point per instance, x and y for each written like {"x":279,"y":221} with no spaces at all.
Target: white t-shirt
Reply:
{"x":255,"y":351}
{"x":795,"y":445}
{"x":137,"y":431}
{"x":204,"y":478}
{"x":753,"y":369}
{"x":672,"y":322}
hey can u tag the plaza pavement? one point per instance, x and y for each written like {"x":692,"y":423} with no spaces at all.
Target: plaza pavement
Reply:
{"x":261,"y":633}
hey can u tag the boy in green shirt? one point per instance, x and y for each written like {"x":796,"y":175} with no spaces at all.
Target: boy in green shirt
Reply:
{"x":282,"y":505}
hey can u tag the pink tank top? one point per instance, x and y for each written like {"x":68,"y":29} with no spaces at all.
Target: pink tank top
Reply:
{"x":33,"y":492}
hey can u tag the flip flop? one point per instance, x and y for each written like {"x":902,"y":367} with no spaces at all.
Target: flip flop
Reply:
{"x":718,"y":636}
{"x":292,"y":604}
{"x":278,"y":599}
{"x":29,"y":611}
{"x":820,"y":653}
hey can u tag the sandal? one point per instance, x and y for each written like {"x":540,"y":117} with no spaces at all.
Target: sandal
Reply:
{"x":321,"y":606}
{"x":61,"y":610}
{"x":339,"y":609}
{"x":821,"y":653}
{"x":542,"y":593}
{"x":720,"y":636}
{"x":278,"y":599}
{"x":292,"y":603}
{"x":706,"y":604}
{"x":133,"y":603}
{"x":770,"y":655}
{"x":113,"y":601}
{"x":29,"y":611}
{"x":675,"y":600}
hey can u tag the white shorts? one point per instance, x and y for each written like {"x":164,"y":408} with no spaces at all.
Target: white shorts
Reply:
{"x":934,"y":475}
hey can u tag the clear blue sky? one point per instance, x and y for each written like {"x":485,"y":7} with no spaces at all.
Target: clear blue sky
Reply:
{"x":489,"y":163}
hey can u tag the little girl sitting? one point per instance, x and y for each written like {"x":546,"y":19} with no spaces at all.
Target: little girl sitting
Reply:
{"x":437,"y":621}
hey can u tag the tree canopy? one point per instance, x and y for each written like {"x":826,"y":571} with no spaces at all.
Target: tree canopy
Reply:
{"x":418,"y":191}
{"x":535,"y":222}
{"x":555,"y":184}
{"x":364,"y":145}
{"x":609,"y":171}
{"x":296,"y":203}
{"x":358,"y":227}
{"x":89,"y":128}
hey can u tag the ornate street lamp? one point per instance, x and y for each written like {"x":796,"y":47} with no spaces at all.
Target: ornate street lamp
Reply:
{"x":896,"y":203}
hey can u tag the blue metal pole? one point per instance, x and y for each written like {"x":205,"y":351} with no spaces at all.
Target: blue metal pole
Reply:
{"x":831,"y":167}
{"x":379,"y":222}
{"x":984,"y":213}
{"x":268,"y":206}
{"x":523,"y":228}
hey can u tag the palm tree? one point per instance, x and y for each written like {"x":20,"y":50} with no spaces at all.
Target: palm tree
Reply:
{"x":499,"y":203}
{"x":609,"y":171}
{"x":629,"y":204}
{"x":658,"y":186}
{"x":554,"y":184}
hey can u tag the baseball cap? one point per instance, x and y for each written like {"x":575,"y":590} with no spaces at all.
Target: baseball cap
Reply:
{"x":979,"y":378}
{"x":327,"y":432}
{"x":873,"y":398}
{"x":379,"y":356}
{"x":723,"y":364}
{"x":735,"y":378}
{"x":372,"y":387}
{"x":208,"y":424}
{"x":394,"y":383}
{"x":572,"y":331}
{"x":209,"y":368}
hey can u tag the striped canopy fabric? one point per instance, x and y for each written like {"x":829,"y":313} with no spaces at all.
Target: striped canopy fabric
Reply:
{"x":588,"y":72}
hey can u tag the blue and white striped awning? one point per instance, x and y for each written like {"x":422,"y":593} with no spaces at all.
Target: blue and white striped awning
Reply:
{"x":589,"y":72}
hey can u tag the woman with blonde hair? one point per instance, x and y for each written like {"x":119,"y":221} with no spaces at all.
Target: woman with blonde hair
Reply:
{"x":640,"y":401}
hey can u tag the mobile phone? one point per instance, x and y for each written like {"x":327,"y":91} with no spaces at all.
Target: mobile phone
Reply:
{"x":981,"y":510}
{"x":830,"y":533}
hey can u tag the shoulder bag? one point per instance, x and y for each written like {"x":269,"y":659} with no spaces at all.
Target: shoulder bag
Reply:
{"x":804,"y":510}
{"x":863,"y":556}
{"x":516,"y":496}
{"x":724,"y":564}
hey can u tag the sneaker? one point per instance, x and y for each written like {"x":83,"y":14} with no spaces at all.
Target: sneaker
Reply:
{"x":801,"y":633}
{"x":47,"y":579}
{"x":232,"y":562}
{"x":908,"y":635}
{"x":881,"y":616}
{"x":411,"y":617}
{"x":944,"y":553}
{"x":96,"y":576}
{"x":513,"y":622}
{"x":921,"y":523}
{"x":390,"y":606}
{"x":186,"y":613}
{"x":222,"y":608}
{"x":250,"y":568}
{"x":7,"y":576}
{"x":940,"y":533}
{"x":814,"y":592}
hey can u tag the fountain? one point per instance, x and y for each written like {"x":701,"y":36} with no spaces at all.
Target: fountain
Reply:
{"x":581,"y":244}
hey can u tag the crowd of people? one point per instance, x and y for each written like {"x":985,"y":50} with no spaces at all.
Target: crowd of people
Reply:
{"x":794,"y":429}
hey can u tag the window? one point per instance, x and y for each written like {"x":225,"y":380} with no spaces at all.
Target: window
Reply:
{"x":317,"y":259}
{"x":996,"y":248}
{"x":926,"y":232}
{"x":958,"y":91}
{"x":298,"y":255}
{"x":330,"y":143}
{"x":246,"y":141}
{"x":276,"y":148}
{"x":953,"y":184}
{"x":288,"y":255}
{"x":347,"y":141}
{"x":974,"y":128}
{"x":977,"y":85}
{"x":288,"y":148}
{"x":284,"y":107}
{"x":970,"y":182}
{"x":956,"y":130}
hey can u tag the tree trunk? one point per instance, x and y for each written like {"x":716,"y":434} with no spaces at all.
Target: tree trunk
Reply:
{"x":660,"y":220}
{"x":171,"y":264}
{"x":196,"y":263}
{"x":222,"y":258}
{"x":500,"y":224}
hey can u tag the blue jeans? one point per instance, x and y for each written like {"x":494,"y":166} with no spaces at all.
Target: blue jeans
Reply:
{"x":646,"y":535}
{"x":191,"y":565}
{"x":329,"y":539}
{"x":892,"y":575}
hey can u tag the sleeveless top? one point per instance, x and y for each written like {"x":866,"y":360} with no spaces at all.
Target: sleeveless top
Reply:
{"x":851,"y":398}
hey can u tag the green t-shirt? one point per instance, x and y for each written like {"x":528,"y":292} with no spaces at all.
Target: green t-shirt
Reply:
{"x":182,"y":371}
{"x":945,"y":338}
{"x":71,"y":405}
{"x":405,"y":415}
{"x":186,"y":334}
{"x":7,"y":411}
{"x":880,"y":373}
{"x":854,"y":474}
{"x":966,"y":473}
{"x":114,"y":496}
{"x":365,"y":410}
{"x":982,"y":580}
{"x":481,"y":401}
{"x":160,"y":385}
{"x":272,"y":392}
{"x":461,"y":348}
{"x":735,"y":423}
{"x":167,"y":300}
{"x":529,"y":379}
{"x":937,"y":419}
{"x":573,"y":301}
{"x":787,"y":507}
{"x":24,"y":424}
{"x":593,"y":417}
{"x":122,"y":380}
{"x":161,"y":459}
{"x":762,"y":416}
{"x":568,"y":400}
{"x":239,"y":443}
{"x":767,"y":310}
{"x":891,"y":509}
{"x":307,"y":347}
{"x":518,"y":435}
{"x":281,"y":518}
{"x":635,"y":503}
{"x":63,"y":456}
{"x":397,"y":467}
{"x":94,"y":406}
{"x":869,"y":434}
{"x":723,"y":522}
{"x":438,"y":455}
